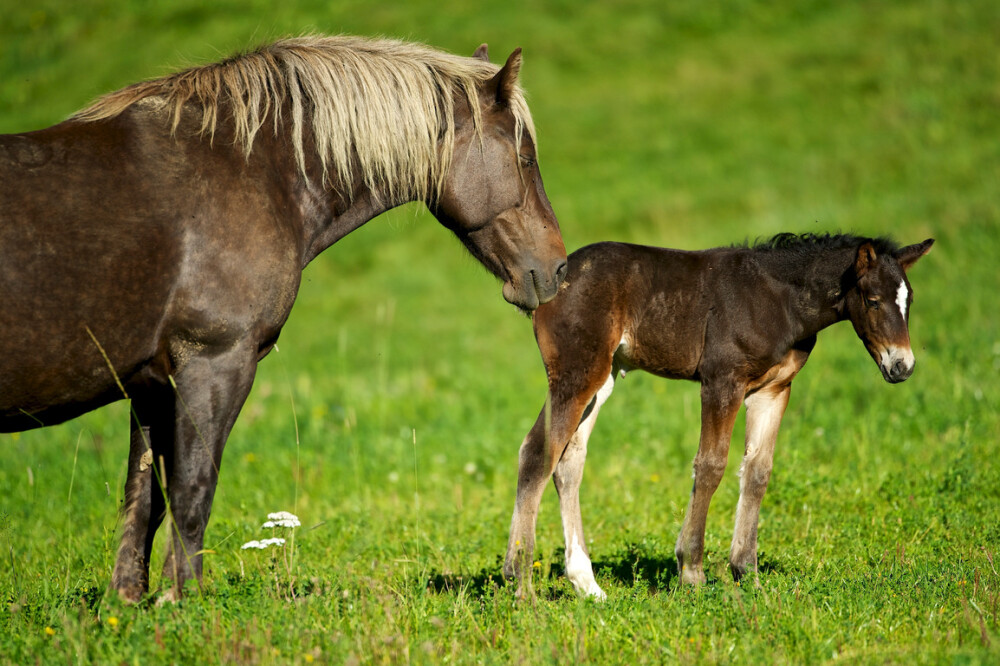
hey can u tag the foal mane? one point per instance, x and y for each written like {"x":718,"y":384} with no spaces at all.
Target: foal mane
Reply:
{"x":385,"y":105}
{"x":808,"y":244}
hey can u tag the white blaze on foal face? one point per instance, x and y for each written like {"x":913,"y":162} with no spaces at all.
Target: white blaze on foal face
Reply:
{"x":902,"y":295}
{"x":897,"y":361}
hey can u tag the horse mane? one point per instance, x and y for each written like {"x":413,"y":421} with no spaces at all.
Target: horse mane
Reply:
{"x":805,"y":244}
{"x":383,"y":105}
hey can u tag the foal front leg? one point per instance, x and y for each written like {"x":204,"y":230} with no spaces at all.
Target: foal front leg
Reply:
{"x":719,"y":406}
{"x":534,"y":466}
{"x":542,"y":448}
{"x":764,"y":411}
{"x":568,"y":476}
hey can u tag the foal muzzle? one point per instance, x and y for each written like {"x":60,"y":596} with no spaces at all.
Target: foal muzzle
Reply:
{"x":896,"y":364}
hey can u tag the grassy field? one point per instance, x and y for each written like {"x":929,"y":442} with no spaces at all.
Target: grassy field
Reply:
{"x":391,"y":417}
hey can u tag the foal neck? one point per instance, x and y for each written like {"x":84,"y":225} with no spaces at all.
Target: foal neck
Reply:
{"x":816,"y":279}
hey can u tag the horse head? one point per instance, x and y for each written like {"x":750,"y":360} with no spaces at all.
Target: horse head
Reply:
{"x":878,"y":306}
{"x":492,"y":197}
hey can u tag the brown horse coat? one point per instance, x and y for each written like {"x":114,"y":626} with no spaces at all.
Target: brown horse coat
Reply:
{"x":741,"y":321}
{"x":152,"y":245}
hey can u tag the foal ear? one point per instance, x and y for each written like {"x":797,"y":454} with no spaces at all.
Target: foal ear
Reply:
{"x":482,"y":53}
{"x":865,"y":261}
{"x":908,"y":255}
{"x":504,"y":82}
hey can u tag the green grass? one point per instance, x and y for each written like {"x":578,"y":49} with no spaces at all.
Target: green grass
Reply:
{"x":390,"y":419}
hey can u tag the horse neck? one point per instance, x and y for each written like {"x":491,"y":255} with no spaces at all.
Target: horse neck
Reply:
{"x":328,"y":213}
{"x":333,"y":215}
{"x":324,"y":209}
{"x":816,"y":282}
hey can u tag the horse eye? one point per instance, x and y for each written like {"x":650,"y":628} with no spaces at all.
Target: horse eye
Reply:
{"x":872,"y":303}
{"x":527,"y":162}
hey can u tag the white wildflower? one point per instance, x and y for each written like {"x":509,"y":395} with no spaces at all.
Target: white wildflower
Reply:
{"x":282,"y":519}
{"x":261,"y":545}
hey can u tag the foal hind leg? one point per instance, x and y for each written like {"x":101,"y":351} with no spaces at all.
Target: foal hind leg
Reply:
{"x":764,"y":411}
{"x":142,"y":511}
{"x":720,"y":404}
{"x":541,"y":450}
{"x":209,"y":396}
{"x":568,"y":476}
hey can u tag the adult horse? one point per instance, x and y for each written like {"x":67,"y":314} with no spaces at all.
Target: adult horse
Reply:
{"x":151,"y":246}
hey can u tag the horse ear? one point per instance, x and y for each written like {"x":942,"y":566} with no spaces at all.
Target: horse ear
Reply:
{"x":482,"y":53}
{"x":908,"y":255}
{"x":865,"y":260}
{"x":504,"y":82}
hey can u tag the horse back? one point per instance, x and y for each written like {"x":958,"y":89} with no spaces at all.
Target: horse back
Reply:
{"x":673,"y":313}
{"x":645,"y":304}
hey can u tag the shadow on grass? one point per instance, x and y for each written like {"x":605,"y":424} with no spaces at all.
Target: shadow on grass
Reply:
{"x":638,"y":564}
{"x":490,"y":580}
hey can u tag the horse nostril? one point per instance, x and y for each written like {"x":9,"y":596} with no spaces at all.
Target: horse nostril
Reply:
{"x":898,"y":369}
{"x":561,"y":272}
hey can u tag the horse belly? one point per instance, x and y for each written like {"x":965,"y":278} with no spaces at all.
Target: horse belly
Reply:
{"x":668,"y":340}
{"x":84,"y":279}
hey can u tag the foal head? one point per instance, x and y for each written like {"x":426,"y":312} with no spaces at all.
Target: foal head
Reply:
{"x":878,"y":305}
{"x":492,"y":197}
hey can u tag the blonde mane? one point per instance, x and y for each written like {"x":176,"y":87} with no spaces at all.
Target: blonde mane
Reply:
{"x":386,"y":103}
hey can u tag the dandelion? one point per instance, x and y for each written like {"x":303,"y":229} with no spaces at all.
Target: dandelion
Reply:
{"x":112,"y":621}
{"x":470,"y":468}
{"x":49,"y":631}
{"x":537,"y":564}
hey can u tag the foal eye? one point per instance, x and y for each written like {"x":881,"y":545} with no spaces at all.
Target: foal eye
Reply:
{"x":527,"y":162}
{"x":872,"y":303}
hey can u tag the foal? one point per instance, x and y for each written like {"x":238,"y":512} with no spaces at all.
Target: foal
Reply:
{"x":741,"y":321}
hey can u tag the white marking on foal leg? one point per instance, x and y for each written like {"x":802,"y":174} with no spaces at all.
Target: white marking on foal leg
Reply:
{"x":568,"y":475}
{"x":764,"y":412}
{"x":902,"y":295}
{"x":580,"y":571}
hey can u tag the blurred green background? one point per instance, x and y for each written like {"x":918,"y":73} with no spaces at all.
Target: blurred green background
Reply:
{"x":390,"y":418}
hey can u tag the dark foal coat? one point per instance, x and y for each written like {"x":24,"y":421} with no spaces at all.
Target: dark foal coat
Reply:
{"x":741,"y":321}
{"x":151,"y":246}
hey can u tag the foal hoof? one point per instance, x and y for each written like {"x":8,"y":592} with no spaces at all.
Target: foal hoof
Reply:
{"x":595,"y":592}
{"x":131,"y":595}
{"x":692,"y":576}
{"x":171,"y":596}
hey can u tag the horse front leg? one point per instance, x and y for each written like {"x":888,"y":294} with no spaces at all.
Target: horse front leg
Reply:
{"x":143,"y":508}
{"x":764,"y":411}
{"x":210,"y":392}
{"x":720,"y":404}
{"x":568,"y":476}
{"x":541,"y":450}
{"x":534,"y":467}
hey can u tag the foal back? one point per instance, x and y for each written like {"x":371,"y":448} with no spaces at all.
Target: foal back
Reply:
{"x":657,"y":310}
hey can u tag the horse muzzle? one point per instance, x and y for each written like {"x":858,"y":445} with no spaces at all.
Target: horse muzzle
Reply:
{"x":535,"y":286}
{"x":896,"y":364}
